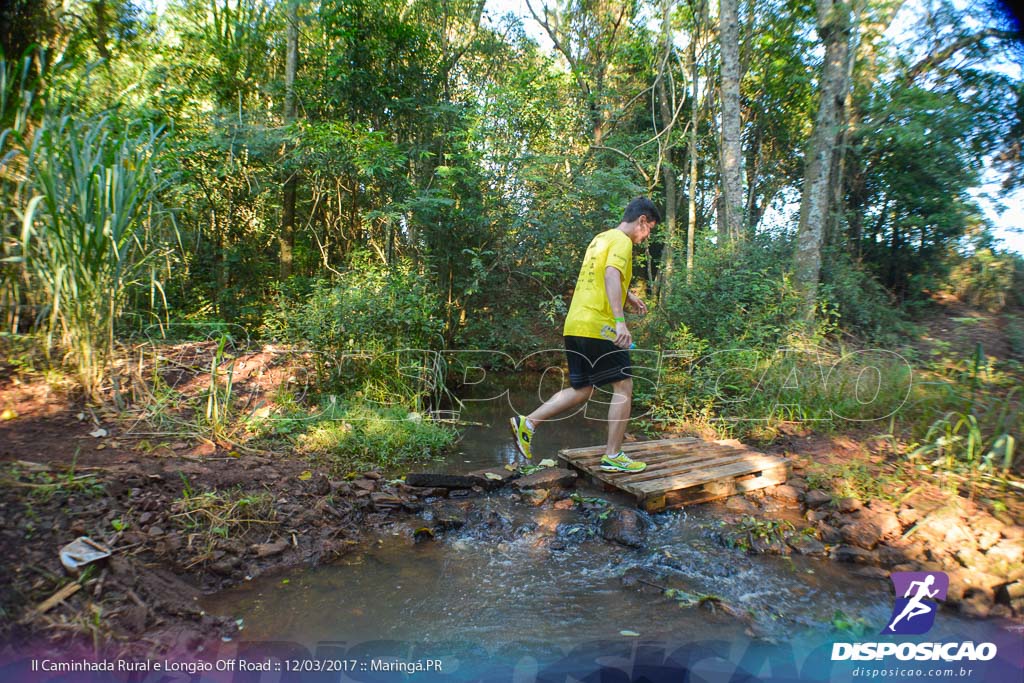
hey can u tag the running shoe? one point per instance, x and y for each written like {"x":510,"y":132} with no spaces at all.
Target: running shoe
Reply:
{"x":620,"y":462}
{"x":523,"y":435}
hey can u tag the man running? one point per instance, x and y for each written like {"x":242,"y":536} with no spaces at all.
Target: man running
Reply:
{"x":596,"y":336}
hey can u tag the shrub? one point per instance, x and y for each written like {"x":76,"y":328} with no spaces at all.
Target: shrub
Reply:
{"x":988,"y":279}
{"x":350,"y":437}
{"x":360,"y":323}
{"x":89,"y":232}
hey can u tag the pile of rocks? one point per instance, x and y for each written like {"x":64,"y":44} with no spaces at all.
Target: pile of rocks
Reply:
{"x":983,"y":556}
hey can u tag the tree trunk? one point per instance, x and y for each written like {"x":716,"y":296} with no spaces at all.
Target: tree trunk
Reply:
{"x":691,"y":199}
{"x":836,"y":29}
{"x":668,"y":170}
{"x":730,"y":148}
{"x":286,"y":239}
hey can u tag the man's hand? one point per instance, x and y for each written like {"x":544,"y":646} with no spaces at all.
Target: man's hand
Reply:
{"x":623,"y":337}
{"x":638,"y":305}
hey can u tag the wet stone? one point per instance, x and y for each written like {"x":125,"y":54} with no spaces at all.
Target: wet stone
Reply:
{"x":642,"y":579}
{"x":447,"y":517}
{"x":787,"y":494}
{"x":492,"y":477}
{"x":829,"y":534}
{"x":446,"y":481}
{"x":816,"y":515}
{"x":535,"y":496}
{"x":861,"y":534}
{"x":848,"y":505}
{"x":741,"y":505}
{"x":815,"y":498}
{"x":854,"y":555}
{"x":364,"y":485}
{"x":547,"y":478}
{"x":872,"y":573}
{"x":806,"y":545}
{"x":385,"y":501}
{"x":627,"y":527}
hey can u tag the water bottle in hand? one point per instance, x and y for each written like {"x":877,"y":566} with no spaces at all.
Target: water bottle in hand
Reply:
{"x":609,"y":333}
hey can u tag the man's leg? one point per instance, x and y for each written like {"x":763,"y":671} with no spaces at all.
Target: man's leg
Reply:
{"x":559,"y":403}
{"x":618,"y":414}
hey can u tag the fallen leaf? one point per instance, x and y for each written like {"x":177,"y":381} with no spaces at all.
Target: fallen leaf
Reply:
{"x":492,"y":476}
{"x":510,"y":468}
{"x":306,"y":476}
{"x":546,"y":462}
{"x":631,"y":634}
{"x":99,"y":432}
{"x":234,"y":454}
{"x":8,"y":415}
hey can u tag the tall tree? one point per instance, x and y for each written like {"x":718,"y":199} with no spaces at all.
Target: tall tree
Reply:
{"x":836,"y":28}
{"x":286,"y":239}
{"x":730,"y":149}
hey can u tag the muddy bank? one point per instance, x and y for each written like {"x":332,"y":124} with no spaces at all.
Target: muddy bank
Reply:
{"x":177,"y":527}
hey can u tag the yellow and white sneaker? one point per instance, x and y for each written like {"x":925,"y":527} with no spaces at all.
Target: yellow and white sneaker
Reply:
{"x":523,"y":435}
{"x":620,"y":462}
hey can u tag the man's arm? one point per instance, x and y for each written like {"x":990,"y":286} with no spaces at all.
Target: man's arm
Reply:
{"x":613,"y":290}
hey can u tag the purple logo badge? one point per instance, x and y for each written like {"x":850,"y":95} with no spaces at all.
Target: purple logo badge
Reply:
{"x":917,"y":594}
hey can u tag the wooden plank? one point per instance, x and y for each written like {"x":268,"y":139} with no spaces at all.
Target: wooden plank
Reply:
{"x":684,"y":450}
{"x":754,"y":463}
{"x":701,"y":494}
{"x":702,"y":477}
{"x":629,"y":446}
{"x":673,"y":466}
{"x":682,"y":471}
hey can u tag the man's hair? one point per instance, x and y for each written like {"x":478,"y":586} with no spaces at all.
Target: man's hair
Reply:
{"x":641,"y":206}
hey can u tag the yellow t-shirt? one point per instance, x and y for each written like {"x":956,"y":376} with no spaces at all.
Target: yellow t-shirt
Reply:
{"x":590,"y":310}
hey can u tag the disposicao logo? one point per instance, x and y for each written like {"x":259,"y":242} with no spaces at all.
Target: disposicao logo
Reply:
{"x":917,"y":600}
{"x":914,"y":613}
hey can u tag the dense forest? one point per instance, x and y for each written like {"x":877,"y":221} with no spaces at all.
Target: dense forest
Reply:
{"x":390,"y":174}
{"x":253,"y":253}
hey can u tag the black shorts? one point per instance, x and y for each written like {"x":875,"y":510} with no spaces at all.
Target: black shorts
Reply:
{"x":593,"y":362}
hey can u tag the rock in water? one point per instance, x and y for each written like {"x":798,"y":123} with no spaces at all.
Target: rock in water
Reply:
{"x":445,"y":481}
{"x":627,"y":527}
{"x":548,"y":478}
{"x":449,"y":517}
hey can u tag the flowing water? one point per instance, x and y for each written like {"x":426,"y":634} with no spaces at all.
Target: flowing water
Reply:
{"x":518,"y":574}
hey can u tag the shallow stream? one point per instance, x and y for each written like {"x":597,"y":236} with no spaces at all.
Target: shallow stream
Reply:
{"x":500,"y":580}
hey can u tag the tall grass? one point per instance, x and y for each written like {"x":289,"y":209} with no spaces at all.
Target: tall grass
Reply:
{"x":88,"y":212}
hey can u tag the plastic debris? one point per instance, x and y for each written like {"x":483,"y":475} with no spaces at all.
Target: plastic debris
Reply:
{"x":81,"y":552}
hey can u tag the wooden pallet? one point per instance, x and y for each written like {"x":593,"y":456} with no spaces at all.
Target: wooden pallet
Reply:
{"x":682,"y":471}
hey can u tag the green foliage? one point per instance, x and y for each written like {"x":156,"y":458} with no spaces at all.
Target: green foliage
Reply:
{"x":90,"y":229}
{"x":367,"y":323}
{"x":857,"y":480}
{"x":218,"y":393}
{"x":856,"y":627}
{"x":989,"y":279}
{"x":44,"y":485}
{"x":352,"y":437}
{"x":750,"y":529}
{"x":741,"y":297}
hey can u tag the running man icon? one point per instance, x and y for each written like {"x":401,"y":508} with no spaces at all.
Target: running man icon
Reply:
{"x":916,"y":609}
